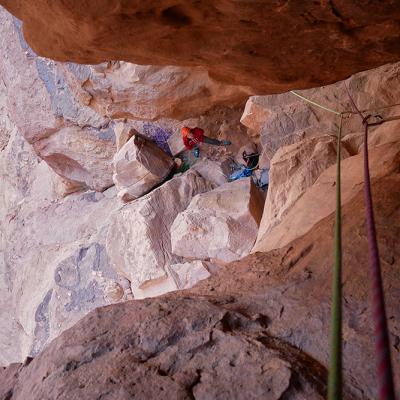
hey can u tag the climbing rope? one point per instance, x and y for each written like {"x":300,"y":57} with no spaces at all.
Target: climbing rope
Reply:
{"x":335,"y":367}
{"x":382,"y":350}
{"x":335,"y":362}
{"x":382,"y":344}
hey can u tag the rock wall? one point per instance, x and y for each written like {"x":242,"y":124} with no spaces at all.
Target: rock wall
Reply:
{"x":270,"y":46}
{"x":284,"y":119}
{"x":60,"y":127}
{"x":258,"y":328}
{"x":73,"y":115}
{"x":68,"y":246}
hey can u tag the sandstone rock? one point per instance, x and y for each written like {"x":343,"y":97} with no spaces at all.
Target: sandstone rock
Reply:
{"x":75,"y":141}
{"x":294,"y":168}
{"x":221,"y":224}
{"x":250,"y":331}
{"x":77,"y":116}
{"x":271,"y":47}
{"x":139,"y":166}
{"x":63,"y":238}
{"x":188,"y":274}
{"x":318,"y":201}
{"x":148,"y":92}
{"x":138,"y":240}
{"x":213,"y":171}
{"x":284,"y":119}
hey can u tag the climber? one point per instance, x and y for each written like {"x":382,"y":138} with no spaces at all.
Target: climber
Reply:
{"x":192,"y":137}
{"x":251,"y":159}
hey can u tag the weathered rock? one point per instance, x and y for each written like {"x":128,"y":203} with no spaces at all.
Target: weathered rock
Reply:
{"x":189,"y":273}
{"x":294,"y":168}
{"x":318,"y":201}
{"x":250,"y":331}
{"x":221,"y":224}
{"x":284,"y":119}
{"x":138,"y":240}
{"x":148,"y":92}
{"x":53,"y":264}
{"x":269,"y":46}
{"x":139,"y":166}
{"x":215,"y":172}
{"x":75,"y":141}
{"x":77,"y":116}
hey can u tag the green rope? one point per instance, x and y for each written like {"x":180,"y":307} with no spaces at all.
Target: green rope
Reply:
{"x":335,"y":368}
{"x":316,"y":104}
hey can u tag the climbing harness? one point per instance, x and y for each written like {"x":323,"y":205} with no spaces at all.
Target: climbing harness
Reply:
{"x":382,"y":343}
{"x":382,"y":350}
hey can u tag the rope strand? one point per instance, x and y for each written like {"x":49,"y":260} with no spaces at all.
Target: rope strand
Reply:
{"x":382,"y":343}
{"x":335,"y":367}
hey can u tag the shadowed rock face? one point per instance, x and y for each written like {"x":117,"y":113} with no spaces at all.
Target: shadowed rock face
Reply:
{"x":270,"y":45}
{"x":257,"y":329}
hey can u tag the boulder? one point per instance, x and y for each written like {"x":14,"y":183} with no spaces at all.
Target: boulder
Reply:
{"x":271,"y":47}
{"x":139,"y":166}
{"x":216,"y":172}
{"x":187,"y":274}
{"x":294,"y":168}
{"x":139,"y":242}
{"x":284,"y":119}
{"x":221,"y":224}
{"x":318,"y":201}
{"x":253,"y":330}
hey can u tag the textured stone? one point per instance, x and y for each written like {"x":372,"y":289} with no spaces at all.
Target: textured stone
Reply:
{"x":77,"y":116}
{"x":216,"y":172}
{"x":284,"y":119}
{"x":53,"y":264}
{"x":221,"y":224}
{"x":318,"y":201}
{"x":188,"y":274}
{"x":270,"y":46}
{"x":124,"y":90}
{"x":139,"y":166}
{"x":138,"y":240}
{"x":294,"y":168}
{"x":250,"y":331}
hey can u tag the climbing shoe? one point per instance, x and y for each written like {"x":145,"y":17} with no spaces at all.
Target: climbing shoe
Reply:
{"x":226,"y":142}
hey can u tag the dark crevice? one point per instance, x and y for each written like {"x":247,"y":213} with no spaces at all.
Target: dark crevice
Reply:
{"x":303,"y":365}
{"x":175,"y":16}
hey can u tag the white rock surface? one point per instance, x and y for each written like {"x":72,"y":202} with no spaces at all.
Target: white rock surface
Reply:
{"x":221,"y":224}
{"x":188,"y":274}
{"x":139,"y":166}
{"x":216,"y":172}
{"x":138,"y":240}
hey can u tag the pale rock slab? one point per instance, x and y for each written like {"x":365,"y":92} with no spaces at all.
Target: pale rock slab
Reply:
{"x":221,"y":224}
{"x":318,"y":201}
{"x":189,"y":273}
{"x":294,"y":168}
{"x":138,"y":241}
{"x":139,"y":166}
{"x":216,"y":172}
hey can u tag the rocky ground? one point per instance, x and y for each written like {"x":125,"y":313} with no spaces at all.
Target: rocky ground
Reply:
{"x":231,"y":285}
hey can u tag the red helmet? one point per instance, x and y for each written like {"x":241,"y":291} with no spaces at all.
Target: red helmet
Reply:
{"x":185,"y":131}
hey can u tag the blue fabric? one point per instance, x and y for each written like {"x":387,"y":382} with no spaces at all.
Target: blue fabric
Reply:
{"x":241,"y":173}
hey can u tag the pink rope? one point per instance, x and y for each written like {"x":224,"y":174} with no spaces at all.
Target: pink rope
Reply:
{"x":382,"y":343}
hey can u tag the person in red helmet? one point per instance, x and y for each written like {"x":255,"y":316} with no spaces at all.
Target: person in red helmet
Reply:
{"x":192,"y":137}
